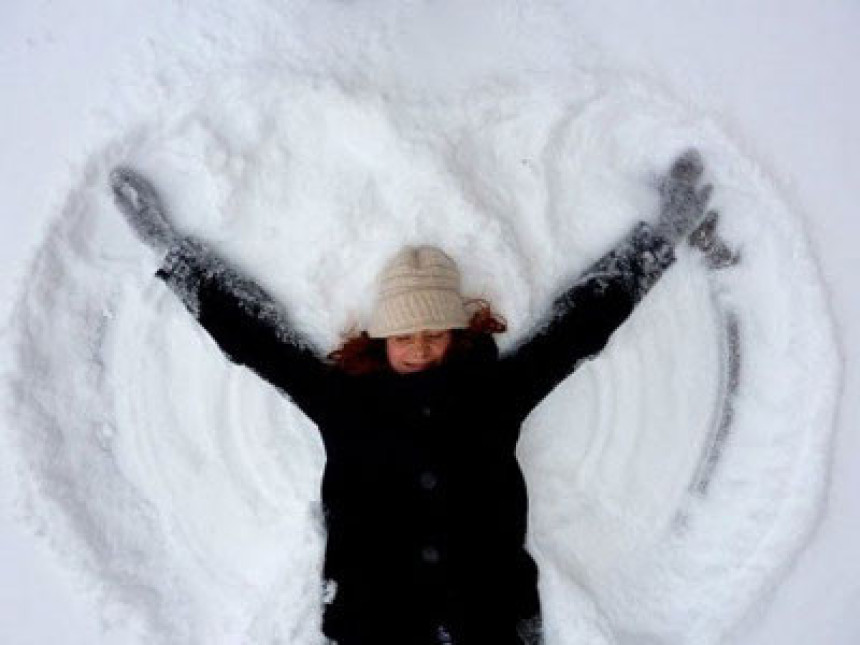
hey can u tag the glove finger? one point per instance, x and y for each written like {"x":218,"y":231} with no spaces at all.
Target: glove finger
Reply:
{"x":703,"y":196}
{"x":688,"y":167}
{"x":710,"y":221}
{"x":704,"y":232}
{"x":708,"y":224}
{"x":119,"y":176}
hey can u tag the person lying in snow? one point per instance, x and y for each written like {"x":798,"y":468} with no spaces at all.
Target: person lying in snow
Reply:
{"x":424,"y":501}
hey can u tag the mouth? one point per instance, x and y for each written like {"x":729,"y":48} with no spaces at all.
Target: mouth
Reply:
{"x":417,"y":367}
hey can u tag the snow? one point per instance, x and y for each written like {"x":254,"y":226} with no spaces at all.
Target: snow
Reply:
{"x":175,"y":496}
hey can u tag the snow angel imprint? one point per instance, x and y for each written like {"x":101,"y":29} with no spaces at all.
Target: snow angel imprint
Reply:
{"x":425,"y":504}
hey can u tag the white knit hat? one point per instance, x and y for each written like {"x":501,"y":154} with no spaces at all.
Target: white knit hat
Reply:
{"x":419,"y":289}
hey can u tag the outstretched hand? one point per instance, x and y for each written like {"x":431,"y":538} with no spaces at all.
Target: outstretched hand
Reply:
{"x":683,"y":204}
{"x":139,"y":203}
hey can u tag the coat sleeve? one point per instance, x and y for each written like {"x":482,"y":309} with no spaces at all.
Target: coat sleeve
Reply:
{"x":583,"y":318}
{"x":247,"y":324}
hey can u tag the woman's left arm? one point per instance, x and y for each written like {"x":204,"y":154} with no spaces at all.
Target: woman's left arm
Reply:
{"x":584,"y":317}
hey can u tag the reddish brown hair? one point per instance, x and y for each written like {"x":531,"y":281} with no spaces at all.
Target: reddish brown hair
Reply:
{"x":361,"y":354}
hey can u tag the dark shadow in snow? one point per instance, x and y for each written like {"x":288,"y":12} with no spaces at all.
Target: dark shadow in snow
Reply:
{"x":718,"y":256}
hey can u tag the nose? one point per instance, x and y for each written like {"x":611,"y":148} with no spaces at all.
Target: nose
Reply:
{"x":422,"y":348}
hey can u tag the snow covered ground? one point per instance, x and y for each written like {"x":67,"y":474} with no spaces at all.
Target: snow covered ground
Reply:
{"x":511,"y":133}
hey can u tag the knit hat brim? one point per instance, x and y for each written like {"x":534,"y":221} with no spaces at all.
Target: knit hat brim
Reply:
{"x":417,"y":310}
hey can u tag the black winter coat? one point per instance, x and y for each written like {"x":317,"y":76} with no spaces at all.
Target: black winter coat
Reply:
{"x":425,"y":504}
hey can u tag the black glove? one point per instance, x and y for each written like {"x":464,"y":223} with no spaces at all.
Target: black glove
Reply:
{"x":683,"y":205}
{"x":138,"y":201}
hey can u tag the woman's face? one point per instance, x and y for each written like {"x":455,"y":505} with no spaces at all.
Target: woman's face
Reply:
{"x":409,"y":353}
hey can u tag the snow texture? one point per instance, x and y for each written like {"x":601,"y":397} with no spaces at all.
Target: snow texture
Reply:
{"x":672,"y":480}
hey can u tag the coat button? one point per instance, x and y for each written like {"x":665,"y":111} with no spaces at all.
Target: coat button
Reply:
{"x":428,"y":480}
{"x":443,"y":636}
{"x":430,"y":554}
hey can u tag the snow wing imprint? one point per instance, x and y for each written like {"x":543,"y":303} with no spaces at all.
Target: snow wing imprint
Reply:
{"x":193,"y":510}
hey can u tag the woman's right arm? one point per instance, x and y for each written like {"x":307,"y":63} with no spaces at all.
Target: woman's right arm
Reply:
{"x":247,"y":324}
{"x":244,"y":321}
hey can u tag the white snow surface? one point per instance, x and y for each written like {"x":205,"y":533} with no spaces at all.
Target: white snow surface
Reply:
{"x":308,"y":141}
